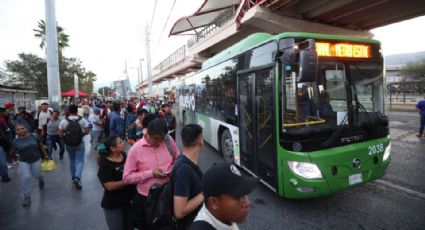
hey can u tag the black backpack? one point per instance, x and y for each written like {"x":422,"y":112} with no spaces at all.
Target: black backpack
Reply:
{"x":73,"y":133}
{"x":159,"y":209}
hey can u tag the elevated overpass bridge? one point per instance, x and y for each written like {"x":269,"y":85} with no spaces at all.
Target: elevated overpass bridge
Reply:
{"x":218,"y":24}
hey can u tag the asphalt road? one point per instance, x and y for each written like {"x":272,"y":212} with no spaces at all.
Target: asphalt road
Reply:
{"x":396,"y":201}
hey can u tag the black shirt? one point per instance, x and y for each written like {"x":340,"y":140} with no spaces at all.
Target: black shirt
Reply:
{"x":110,"y":171}
{"x":187,"y":183}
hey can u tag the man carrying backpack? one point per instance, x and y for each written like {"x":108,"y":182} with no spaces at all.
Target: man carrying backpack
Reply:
{"x":149,"y":162}
{"x":187,"y":177}
{"x":72,"y":130}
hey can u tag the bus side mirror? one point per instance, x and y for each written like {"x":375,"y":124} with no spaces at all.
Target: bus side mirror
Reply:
{"x":308,"y":64}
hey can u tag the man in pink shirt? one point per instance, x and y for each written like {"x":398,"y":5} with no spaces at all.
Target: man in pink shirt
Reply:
{"x":150,"y":161}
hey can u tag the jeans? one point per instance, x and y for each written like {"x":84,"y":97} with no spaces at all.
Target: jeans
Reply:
{"x":96,"y":138}
{"x":26,"y":169}
{"x":3,"y":162}
{"x":421,"y":128}
{"x":51,"y":143}
{"x":76,"y":159}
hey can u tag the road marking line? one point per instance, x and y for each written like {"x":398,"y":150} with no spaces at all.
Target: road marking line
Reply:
{"x":407,"y":190}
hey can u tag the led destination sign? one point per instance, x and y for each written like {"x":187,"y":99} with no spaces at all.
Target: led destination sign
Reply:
{"x":326,"y":49}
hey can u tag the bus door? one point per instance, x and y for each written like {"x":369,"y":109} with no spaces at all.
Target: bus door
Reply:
{"x":255,"y":120}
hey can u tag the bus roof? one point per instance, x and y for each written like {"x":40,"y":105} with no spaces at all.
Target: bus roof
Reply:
{"x":257,"y":39}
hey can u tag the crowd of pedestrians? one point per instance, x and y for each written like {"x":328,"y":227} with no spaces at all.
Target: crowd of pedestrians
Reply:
{"x":216,"y":200}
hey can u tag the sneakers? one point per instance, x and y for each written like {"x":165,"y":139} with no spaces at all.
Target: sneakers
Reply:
{"x":41,"y":183}
{"x":27,"y":201}
{"x":5,"y":179}
{"x":77,"y":183}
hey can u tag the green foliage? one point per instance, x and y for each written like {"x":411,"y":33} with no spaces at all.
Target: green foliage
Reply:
{"x":40,"y":32}
{"x":31,"y":71}
{"x":104,"y":91}
{"x":415,"y":69}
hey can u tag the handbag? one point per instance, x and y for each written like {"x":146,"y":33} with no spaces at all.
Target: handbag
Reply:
{"x":42,"y":148}
{"x":47,"y":165}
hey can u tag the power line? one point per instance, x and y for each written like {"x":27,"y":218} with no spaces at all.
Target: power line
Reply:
{"x":153,"y":14}
{"x":165,"y":25}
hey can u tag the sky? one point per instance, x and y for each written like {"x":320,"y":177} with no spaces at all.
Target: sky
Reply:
{"x":105,"y":34}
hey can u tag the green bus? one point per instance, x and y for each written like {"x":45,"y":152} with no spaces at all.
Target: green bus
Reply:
{"x":303,"y":112}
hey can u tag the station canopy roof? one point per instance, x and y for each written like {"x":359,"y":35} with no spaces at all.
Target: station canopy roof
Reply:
{"x":204,"y":16}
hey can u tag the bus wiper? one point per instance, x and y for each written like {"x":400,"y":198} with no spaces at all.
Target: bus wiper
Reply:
{"x":370,"y":124}
{"x":339,"y":128}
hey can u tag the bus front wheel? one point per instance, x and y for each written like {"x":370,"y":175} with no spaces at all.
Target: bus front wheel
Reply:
{"x":227,"y":146}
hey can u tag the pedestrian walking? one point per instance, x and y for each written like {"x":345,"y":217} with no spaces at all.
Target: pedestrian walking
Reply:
{"x":97,"y":127}
{"x":104,"y":115}
{"x":42,"y":117}
{"x":171,"y":120}
{"x":5,"y":145}
{"x":117,"y":195}
{"x":226,"y":203}
{"x":86,"y":110}
{"x":421,"y":108}
{"x":72,"y":130}
{"x":116,"y":123}
{"x":135,"y":129}
{"x":27,"y":146}
{"x":25,"y":118}
{"x":53,"y":139}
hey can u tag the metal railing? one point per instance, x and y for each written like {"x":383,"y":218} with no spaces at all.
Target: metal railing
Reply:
{"x":176,"y":57}
{"x":181,"y":54}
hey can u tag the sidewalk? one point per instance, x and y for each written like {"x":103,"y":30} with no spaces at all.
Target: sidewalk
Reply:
{"x":59,"y":205}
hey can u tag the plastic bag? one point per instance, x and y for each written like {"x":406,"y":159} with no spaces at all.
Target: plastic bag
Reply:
{"x":47,"y":165}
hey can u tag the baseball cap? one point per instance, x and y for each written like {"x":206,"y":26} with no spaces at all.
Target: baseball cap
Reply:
{"x":9,"y":104}
{"x":226,"y":179}
{"x":96,"y":109}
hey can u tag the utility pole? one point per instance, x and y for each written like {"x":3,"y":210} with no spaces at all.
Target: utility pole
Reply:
{"x":141,"y":76}
{"x":148,"y":61}
{"x":53,"y":80}
{"x":76,"y":89}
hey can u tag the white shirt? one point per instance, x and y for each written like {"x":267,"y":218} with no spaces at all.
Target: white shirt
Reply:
{"x":205,"y":215}
{"x":95,"y":118}
{"x":42,"y":118}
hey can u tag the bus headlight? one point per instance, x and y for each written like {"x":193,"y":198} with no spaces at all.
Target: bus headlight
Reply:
{"x":306,"y":170}
{"x":387,"y":152}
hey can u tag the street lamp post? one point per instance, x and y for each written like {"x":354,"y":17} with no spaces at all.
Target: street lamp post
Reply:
{"x":141,"y":75}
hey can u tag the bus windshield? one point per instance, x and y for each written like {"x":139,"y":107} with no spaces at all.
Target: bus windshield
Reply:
{"x":345,"y":95}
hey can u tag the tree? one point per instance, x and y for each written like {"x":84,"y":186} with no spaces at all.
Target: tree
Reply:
{"x":31,"y":71}
{"x":63,"y":39}
{"x":104,"y":91}
{"x":415,"y":69}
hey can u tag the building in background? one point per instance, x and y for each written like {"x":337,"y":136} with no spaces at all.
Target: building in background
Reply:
{"x":122,"y":88}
